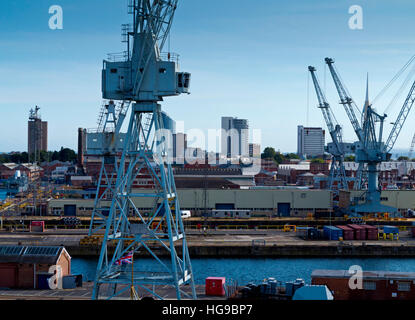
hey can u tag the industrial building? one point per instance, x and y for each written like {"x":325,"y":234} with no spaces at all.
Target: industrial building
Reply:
{"x":268,"y":201}
{"x":402,"y":200}
{"x":37,"y":135}
{"x":32,"y":171}
{"x":376,"y":285}
{"x":310,"y":141}
{"x":28,"y":267}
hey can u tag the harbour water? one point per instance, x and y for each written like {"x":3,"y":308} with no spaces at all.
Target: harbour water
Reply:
{"x":255,"y":270}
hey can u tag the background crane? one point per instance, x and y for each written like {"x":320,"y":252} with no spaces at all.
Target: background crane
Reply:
{"x":370,"y":149}
{"x":337,"y":147}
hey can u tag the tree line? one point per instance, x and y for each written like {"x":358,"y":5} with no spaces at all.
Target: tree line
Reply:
{"x":64,"y":154}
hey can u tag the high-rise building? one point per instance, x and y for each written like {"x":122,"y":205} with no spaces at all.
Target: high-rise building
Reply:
{"x":81,"y":145}
{"x":37,"y":135}
{"x":310,"y":141}
{"x":179,"y":147}
{"x":254,"y":150}
{"x":234,"y":137}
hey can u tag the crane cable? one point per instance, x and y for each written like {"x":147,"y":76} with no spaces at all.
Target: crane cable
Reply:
{"x":400,"y":72}
{"x":403,"y":86}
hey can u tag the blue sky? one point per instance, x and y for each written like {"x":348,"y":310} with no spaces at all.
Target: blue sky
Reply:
{"x":248,"y":59}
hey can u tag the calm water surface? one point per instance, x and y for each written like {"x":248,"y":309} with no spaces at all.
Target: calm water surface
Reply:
{"x":248,"y":270}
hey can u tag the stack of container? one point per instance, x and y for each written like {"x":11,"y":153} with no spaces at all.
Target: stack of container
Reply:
{"x":391,"y":232}
{"x":348,"y":233}
{"x":359,"y":231}
{"x":332,"y":233}
{"x":371,"y":232}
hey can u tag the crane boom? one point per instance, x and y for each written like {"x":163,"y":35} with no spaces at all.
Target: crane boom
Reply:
{"x":337,"y":166}
{"x":403,"y":114}
{"x":346,"y":100}
{"x":334,"y":129}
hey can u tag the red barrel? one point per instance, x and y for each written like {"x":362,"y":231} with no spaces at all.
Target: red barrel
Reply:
{"x":348,"y":233}
{"x":359,"y":231}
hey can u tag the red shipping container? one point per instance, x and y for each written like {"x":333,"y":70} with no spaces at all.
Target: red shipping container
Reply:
{"x":215,"y":286}
{"x":348,"y":233}
{"x":37,"y":226}
{"x":359,"y":231}
{"x":371,"y":232}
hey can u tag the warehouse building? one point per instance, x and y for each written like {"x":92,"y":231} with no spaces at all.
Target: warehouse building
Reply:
{"x":403,"y":200}
{"x":376,"y":285}
{"x":28,"y":267}
{"x":269,"y":201}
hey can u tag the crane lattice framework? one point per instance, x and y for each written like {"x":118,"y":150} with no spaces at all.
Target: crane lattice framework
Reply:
{"x":336,"y":148}
{"x":370,"y":149}
{"x":144,"y":78}
{"x":106,"y":142}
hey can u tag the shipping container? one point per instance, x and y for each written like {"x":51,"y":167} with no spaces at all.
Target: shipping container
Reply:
{"x":215,"y":286}
{"x":359,"y":231}
{"x":332,"y":233}
{"x":348,"y":233}
{"x":371,"y":232}
{"x":390,"y":229}
{"x":37,"y":226}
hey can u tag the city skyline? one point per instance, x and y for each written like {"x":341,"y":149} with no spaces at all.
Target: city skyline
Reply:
{"x":273,"y":92}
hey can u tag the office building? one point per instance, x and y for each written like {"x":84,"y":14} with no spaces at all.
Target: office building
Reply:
{"x":310,"y":142}
{"x":234,"y":137}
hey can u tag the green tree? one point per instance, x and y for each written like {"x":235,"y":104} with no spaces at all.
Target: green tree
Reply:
{"x":269,"y":153}
{"x":350,"y":158}
{"x":317,"y":160}
{"x":403,"y":158}
{"x":66,"y":154}
{"x":291,"y":156}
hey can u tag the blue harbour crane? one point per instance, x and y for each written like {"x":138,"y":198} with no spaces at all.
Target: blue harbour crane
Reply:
{"x":336,"y":148}
{"x":144,"y":76}
{"x":106,"y":142}
{"x":370,"y":149}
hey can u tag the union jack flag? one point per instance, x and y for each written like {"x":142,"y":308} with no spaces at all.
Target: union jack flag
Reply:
{"x":127,"y":259}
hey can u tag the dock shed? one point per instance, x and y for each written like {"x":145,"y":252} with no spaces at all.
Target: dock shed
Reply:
{"x":25,"y":267}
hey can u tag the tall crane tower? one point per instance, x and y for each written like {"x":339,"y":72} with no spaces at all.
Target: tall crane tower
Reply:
{"x":145,"y":76}
{"x":106,"y":142}
{"x":370,"y":149}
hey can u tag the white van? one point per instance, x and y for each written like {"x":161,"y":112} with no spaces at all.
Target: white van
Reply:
{"x":186,"y":214}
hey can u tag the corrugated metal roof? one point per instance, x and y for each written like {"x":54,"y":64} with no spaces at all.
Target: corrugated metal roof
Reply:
{"x":30,"y":254}
{"x":375,"y":275}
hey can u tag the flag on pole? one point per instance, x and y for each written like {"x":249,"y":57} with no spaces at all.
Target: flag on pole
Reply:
{"x":127,"y":259}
